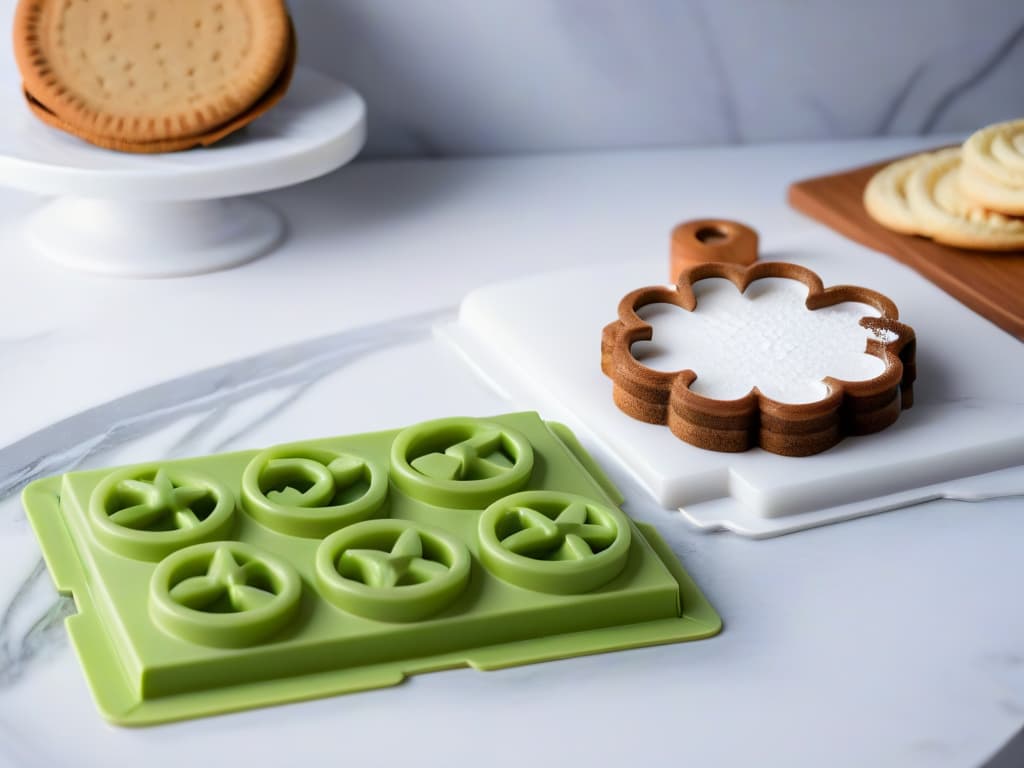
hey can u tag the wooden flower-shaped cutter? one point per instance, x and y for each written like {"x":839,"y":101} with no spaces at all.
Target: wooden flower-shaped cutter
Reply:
{"x":802,"y":429}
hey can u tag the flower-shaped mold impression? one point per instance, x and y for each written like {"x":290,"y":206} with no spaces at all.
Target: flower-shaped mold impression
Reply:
{"x":224,"y":593}
{"x":299,"y":490}
{"x":459,"y":462}
{"x":392,"y":570}
{"x":764,"y":356}
{"x":553,"y":542}
{"x":150,"y":511}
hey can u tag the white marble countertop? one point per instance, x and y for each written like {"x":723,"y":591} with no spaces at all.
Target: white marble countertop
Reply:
{"x":892,"y":640}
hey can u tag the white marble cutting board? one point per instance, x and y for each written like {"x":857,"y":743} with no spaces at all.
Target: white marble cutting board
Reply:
{"x":537,"y":339}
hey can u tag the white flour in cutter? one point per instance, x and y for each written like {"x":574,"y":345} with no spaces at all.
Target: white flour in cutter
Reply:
{"x":764,"y":337}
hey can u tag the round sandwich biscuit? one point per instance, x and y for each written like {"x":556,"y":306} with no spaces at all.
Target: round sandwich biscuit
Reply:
{"x":268,"y":100}
{"x":885,"y":195}
{"x":148,"y":71}
{"x":944,"y":214}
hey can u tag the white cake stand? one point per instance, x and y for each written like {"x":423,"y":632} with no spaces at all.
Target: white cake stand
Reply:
{"x":177,"y":213}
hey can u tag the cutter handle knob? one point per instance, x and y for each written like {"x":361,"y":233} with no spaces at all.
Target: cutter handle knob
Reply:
{"x":711,"y":240}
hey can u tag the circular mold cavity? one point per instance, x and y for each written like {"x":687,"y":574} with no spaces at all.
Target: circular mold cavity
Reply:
{"x":303,"y":491}
{"x":148,"y":512}
{"x":554,"y":542}
{"x":460,"y":462}
{"x":224,"y":594}
{"x":392,"y":570}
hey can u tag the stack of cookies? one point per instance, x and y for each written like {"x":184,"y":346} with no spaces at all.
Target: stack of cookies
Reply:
{"x":153,"y":75}
{"x":970,"y":196}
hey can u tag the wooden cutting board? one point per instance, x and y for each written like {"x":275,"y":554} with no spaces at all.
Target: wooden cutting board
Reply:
{"x":992,"y":284}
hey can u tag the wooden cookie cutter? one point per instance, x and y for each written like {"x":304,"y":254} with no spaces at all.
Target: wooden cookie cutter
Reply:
{"x":802,"y":429}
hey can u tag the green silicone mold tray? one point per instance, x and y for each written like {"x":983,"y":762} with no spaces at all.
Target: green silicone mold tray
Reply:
{"x":226,"y":582}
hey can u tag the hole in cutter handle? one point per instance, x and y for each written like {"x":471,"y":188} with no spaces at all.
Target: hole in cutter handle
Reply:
{"x":711,"y":240}
{"x":712,"y":235}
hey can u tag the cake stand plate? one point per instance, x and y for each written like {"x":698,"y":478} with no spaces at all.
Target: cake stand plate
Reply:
{"x":177,"y":213}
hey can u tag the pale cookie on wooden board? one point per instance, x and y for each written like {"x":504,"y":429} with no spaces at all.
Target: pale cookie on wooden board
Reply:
{"x":146,"y":70}
{"x":885,"y":195}
{"x":993,"y":167}
{"x":937,"y":202}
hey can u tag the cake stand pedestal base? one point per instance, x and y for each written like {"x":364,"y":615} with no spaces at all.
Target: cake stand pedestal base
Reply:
{"x":153,"y":239}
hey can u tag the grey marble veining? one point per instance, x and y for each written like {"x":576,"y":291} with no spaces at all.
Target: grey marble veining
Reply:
{"x":66,"y":444}
{"x":31,"y":624}
{"x":509,"y":76}
{"x":31,"y":621}
{"x":462,"y":77}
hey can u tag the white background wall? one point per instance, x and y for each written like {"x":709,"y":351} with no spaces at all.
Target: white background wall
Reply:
{"x":496,"y":76}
